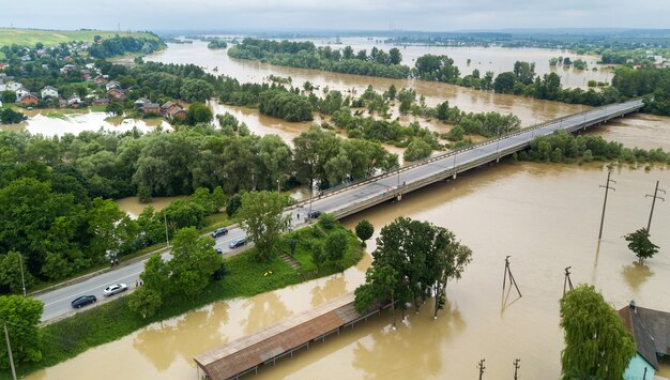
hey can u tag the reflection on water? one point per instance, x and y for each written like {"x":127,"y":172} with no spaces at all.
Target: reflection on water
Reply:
{"x":545,"y":216}
{"x":636,"y":274}
{"x":263,"y":311}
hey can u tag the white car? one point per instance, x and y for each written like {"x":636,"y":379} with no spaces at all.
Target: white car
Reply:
{"x":114,"y":289}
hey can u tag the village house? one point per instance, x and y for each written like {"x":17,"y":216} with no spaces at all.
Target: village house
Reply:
{"x":112,"y":85}
{"x":167,"y":108}
{"x":177,"y":113}
{"x":28,"y":100}
{"x":74,"y":101}
{"x":141,"y":102}
{"x":651,"y":332}
{"x":49,"y":92}
{"x":151,"y":108}
{"x":3,"y":66}
{"x":100,"y":102}
{"x":116,"y":93}
{"x":85,"y":74}
{"x":10,"y":86}
{"x":100,"y":79}
{"x":21,"y":92}
{"x":67,"y":68}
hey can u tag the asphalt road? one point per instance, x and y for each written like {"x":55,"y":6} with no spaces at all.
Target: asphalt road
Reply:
{"x":57,"y":302}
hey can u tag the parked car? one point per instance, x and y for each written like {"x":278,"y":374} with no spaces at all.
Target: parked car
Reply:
{"x":314,"y":214}
{"x":83,"y":301}
{"x":238,"y":242}
{"x":218,"y":250}
{"x":114,"y":289}
{"x":219,"y":232}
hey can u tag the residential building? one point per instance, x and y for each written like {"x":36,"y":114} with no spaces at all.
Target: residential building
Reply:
{"x":21,"y":92}
{"x":141,"y":102}
{"x":28,"y":100}
{"x":49,"y":92}
{"x":113,"y":84}
{"x":116,"y":93}
{"x":651,"y":332}
{"x":151,"y":108}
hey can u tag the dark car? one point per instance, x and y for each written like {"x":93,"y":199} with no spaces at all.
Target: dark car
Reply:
{"x":218,"y":250}
{"x":83,"y":301}
{"x":238,"y":242}
{"x":219,"y":232}
{"x":314,"y":214}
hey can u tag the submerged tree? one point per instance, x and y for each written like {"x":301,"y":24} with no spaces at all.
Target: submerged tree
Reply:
{"x":412,"y":261}
{"x":597,"y":345}
{"x":639,"y":243}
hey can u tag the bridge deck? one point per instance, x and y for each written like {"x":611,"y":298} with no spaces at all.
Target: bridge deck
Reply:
{"x":266,"y":346}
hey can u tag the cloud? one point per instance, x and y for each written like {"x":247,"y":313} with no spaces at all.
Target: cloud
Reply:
{"x":341,"y":14}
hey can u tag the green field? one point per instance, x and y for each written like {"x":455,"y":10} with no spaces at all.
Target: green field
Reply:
{"x":53,"y":37}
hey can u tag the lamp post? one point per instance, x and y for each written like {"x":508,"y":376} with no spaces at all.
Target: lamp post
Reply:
{"x":167,"y":239}
{"x":278,"y":188}
{"x":23,"y":280}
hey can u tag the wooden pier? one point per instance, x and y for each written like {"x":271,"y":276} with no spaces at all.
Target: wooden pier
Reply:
{"x":247,"y":354}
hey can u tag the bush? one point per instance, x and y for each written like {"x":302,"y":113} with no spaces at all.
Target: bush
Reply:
{"x":327,"y":221}
{"x":364,"y":230}
{"x":417,"y":150}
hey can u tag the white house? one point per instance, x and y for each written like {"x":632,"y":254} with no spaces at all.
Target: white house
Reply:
{"x":49,"y":92}
{"x":113,"y":84}
{"x":13,"y":86}
{"x":21,"y":92}
{"x":73,"y":100}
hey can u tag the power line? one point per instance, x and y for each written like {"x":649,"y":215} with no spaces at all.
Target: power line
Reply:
{"x":653,"y":203}
{"x":607,"y":188}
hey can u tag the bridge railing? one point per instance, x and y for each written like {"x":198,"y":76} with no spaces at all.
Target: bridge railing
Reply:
{"x":394,"y":172}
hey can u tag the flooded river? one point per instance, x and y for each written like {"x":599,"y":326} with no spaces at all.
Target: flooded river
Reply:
{"x":545,"y":216}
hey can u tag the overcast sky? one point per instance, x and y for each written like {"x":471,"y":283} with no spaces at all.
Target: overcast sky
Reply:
{"x":432,"y":15}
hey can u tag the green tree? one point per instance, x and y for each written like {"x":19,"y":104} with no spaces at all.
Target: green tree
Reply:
{"x":8,"y":96}
{"x":261,"y":218}
{"x":193,"y":262}
{"x":395,"y":57}
{"x":9,"y":116}
{"x":145,"y":301}
{"x":198,"y":113}
{"x":597,"y":345}
{"x":336,"y":245}
{"x":364,"y":230}
{"x":416,"y":150}
{"x":11,"y":276}
{"x":639,"y":243}
{"x":22,"y":315}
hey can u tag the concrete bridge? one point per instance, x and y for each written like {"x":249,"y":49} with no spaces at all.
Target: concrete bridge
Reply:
{"x":361,"y":195}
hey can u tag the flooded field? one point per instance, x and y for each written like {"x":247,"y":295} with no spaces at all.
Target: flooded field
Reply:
{"x":545,"y":216}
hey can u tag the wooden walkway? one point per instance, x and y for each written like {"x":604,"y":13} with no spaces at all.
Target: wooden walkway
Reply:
{"x":246,"y":354}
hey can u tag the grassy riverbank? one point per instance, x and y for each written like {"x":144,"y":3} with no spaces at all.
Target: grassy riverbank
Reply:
{"x":68,"y":338}
{"x":54,"y":37}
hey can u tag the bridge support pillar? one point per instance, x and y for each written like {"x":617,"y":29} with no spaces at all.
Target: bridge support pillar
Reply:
{"x":454,"y":176}
{"x":398,"y":197}
{"x":498,"y":159}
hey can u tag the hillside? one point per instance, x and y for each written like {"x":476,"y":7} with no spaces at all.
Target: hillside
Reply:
{"x":53,"y":37}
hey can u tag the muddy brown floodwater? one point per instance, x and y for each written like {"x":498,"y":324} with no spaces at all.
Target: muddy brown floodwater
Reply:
{"x":527,"y":109}
{"x":545,"y":216}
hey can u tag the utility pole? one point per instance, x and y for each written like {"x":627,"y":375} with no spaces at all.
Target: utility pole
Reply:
{"x":516,"y":368}
{"x":567,"y":281}
{"x":508,"y":272}
{"x":23,"y":280}
{"x":278,"y":188}
{"x":9,"y":350}
{"x":607,"y":189}
{"x":653,"y":203}
{"x":167,"y":239}
{"x":481,"y":367}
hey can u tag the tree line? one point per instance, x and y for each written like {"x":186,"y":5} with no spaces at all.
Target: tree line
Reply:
{"x":562,"y":146}
{"x":522,"y":80}
{"x":306,"y":55}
